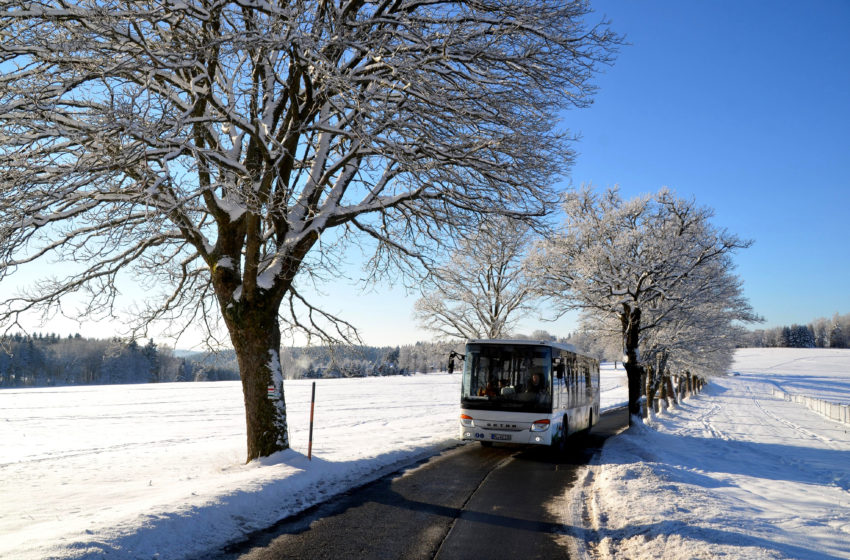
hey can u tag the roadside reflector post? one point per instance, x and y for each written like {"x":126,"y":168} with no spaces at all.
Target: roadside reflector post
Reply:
{"x":312,"y":407}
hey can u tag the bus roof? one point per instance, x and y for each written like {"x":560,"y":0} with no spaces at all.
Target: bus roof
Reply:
{"x":518,"y":341}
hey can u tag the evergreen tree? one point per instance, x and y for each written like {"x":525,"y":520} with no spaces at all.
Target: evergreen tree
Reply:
{"x":785,"y":340}
{"x":152,"y":357}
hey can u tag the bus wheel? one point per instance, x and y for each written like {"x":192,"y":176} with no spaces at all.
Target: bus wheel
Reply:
{"x":486,"y":444}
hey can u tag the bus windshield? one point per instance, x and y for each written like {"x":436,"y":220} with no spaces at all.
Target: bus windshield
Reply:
{"x":507,"y":377}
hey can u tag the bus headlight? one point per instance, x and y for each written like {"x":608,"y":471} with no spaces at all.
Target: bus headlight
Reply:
{"x":540,"y":426}
{"x":466,"y":421}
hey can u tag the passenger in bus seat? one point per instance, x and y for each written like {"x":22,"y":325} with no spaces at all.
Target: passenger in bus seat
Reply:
{"x":535,"y":384}
{"x":489,"y":390}
{"x":504,"y":389}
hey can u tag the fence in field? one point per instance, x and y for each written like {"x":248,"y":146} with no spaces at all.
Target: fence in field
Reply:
{"x":834,"y":411}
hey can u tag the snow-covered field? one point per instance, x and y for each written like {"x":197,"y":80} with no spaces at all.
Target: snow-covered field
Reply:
{"x":157,"y":471}
{"x":735,"y":472}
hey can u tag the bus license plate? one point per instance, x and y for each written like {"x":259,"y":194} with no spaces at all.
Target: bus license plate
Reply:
{"x":501,"y":437}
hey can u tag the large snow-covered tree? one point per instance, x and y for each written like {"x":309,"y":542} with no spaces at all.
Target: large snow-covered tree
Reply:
{"x":228,"y":152}
{"x":482,"y":290}
{"x":640,"y":264}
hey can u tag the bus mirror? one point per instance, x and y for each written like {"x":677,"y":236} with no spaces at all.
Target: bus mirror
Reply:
{"x":452,"y":356}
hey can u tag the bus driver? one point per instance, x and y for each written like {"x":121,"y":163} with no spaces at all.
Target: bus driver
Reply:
{"x":535,"y":385}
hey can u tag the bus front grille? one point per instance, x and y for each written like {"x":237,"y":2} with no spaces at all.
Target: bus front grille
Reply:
{"x":504,"y":426}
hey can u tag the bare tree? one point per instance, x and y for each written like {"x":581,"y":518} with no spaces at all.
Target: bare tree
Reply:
{"x":483,"y":290}
{"x":634,"y":266}
{"x":211,"y":146}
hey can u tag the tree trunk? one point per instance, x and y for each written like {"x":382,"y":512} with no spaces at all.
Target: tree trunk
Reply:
{"x":650,"y":390}
{"x":631,"y":337}
{"x":668,"y":380}
{"x":634,"y":373}
{"x":256,"y":339}
{"x":658,"y":386}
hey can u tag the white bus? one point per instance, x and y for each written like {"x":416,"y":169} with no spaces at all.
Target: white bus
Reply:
{"x":527,"y":392}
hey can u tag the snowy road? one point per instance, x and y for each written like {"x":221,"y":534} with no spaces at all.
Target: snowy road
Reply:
{"x":500,"y":502}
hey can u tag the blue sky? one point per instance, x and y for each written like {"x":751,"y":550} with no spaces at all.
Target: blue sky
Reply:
{"x":744,"y":106}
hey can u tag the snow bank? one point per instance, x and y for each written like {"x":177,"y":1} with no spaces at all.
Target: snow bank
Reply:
{"x":735,"y":471}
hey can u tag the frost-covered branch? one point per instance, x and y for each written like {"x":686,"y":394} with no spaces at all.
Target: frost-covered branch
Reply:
{"x":651,"y":271}
{"x":483,"y":290}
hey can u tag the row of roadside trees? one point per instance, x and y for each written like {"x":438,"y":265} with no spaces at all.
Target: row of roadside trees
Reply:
{"x":653,"y":278}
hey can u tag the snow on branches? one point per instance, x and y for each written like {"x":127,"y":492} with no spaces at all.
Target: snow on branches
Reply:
{"x":171,"y":135}
{"x":483,"y":289}
{"x":651,"y":273}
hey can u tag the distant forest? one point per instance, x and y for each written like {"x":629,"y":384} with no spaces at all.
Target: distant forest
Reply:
{"x":314,"y":362}
{"x":41,"y":360}
{"x":820,"y":333}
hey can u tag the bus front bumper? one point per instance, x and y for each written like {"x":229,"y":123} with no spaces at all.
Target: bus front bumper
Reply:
{"x":525,"y":437}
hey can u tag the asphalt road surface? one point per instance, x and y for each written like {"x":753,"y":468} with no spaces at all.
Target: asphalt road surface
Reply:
{"x":469,"y":502}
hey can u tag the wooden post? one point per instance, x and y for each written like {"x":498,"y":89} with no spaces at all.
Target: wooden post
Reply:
{"x":310,"y":441}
